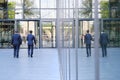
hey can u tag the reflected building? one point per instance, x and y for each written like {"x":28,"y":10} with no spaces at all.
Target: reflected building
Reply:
{"x":6,"y":27}
{"x":111,"y":24}
{"x":3,"y":9}
{"x":114,"y":8}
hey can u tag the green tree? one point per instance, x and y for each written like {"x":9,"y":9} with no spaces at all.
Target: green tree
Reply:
{"x":27,"y":8}
{"x":104,"y":9}
{"x":11,"y":10}
{"x":86,"y":9}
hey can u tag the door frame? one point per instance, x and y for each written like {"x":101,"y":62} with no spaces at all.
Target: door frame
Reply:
{"x":71,"y":44}
{"x":28,"y":20}
{"x":41,"y":43}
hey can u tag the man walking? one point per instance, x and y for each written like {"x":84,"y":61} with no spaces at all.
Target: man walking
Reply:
{"x":87,"y":41}
{"x":31,"y":41}
{"x":103,"y":42}
{"x":16,"y":42}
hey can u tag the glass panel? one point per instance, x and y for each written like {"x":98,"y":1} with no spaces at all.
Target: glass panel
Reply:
{"x":36,"y":13}
{"x":18,"y":14}
{"x":48,"y":4}
{"x":67,"y":34}
{"x":24,"y":27}
{"x":48,"y":13}
{"x":16,"y":7}
{"x":11,"y":10}
{"x":113,"y":0}
{"x":67,"y":13}
{"x":48,"y":34}
{"x":6,"y":31}
{"x":36,"y":3}
{"x":1,"y":12}
{"x":2,"y":1}
{"x":112,"y":28}
{"x":84,"y":26}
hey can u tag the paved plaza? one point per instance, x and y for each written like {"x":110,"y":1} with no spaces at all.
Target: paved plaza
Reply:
{"x":109,"y":66}
{"x":45,"y":65}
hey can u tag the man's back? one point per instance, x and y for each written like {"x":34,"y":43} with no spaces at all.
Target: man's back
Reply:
{"x":88,"y":38}
{"x":16,"y":39}
{"x":103,"y":38}
{"x":30,"y":39}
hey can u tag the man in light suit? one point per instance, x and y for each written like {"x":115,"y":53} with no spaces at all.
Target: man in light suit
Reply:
{"x":31,"y":41}
{"x":87,"y":41}
{"x":103,"y":42}
{"x":16,"y":42}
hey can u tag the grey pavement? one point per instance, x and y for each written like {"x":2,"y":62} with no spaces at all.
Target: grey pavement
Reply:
{"x":109,"y":66}
{"x":45,"y":65}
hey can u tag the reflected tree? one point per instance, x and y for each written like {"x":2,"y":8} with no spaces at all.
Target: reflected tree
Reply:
{"x":86,"y":9}
{"x":27,"y":8}
{"x":11,"y":10}
{"x":104,"y":9}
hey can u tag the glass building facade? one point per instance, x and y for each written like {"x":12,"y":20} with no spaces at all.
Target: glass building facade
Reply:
{"x":112,"y":23}
{"x":41,"y":16}
{"x":61,"y":24}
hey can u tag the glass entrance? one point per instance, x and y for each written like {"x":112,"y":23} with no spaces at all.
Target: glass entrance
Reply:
{"x":48,"y":34}
{"x":85,"y":25}
{"x":67,"y":33}
{"x":6,"y":31}
{"x":24,"y":27}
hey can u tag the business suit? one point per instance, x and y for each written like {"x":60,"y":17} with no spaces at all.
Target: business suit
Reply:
{"x":87,"y":41}
{"x":104,"y":41}
{"x":16,"y":42}
{"x":31,"y":41}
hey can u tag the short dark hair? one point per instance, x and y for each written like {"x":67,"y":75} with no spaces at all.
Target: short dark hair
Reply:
{"x":16,"y":31}
{"x":87,"y":31}
{"x":31,"y":31}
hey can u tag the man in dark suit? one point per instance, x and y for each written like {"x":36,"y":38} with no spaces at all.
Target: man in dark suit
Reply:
{"x":31,"y":41}
{"x":103,"y":42}
{"x":16,"y":42}
{"x":87,"y":41}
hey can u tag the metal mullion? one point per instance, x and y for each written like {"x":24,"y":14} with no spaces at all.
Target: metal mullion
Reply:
{"x":96,"y":55}
{"x":40,"y":34}
{"x":76,"y":38}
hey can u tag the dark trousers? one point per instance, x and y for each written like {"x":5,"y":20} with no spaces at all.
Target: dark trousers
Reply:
{"x":16,"y":50}
{"x":88,"y":49}
{"x":104,"y":49}
{"x":30,"y":50}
